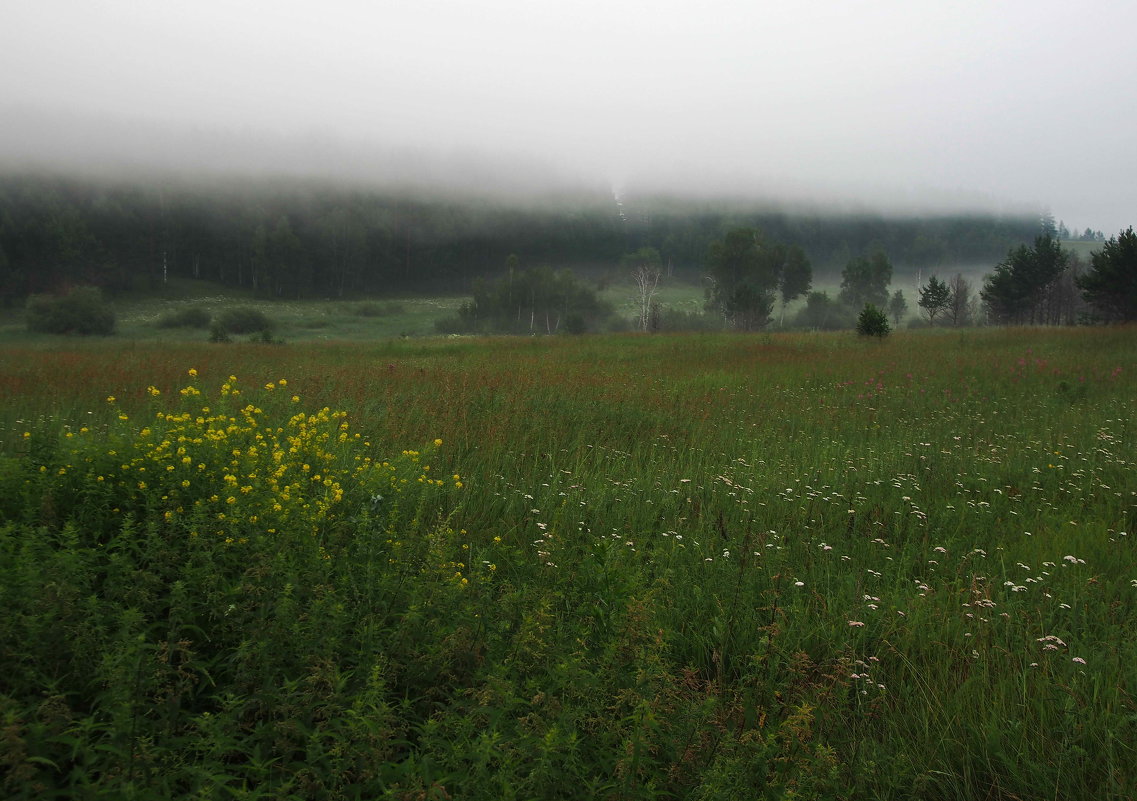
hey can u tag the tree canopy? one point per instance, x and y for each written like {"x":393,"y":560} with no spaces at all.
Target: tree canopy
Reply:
{"x":1023,"y":289}
{"x":1110,"y":286}
{"x":288,"y":239}
{"x":747,"y":272}
{"x":935,"y":297}
{"x":865,"y":280}
{"x":530,"y":301}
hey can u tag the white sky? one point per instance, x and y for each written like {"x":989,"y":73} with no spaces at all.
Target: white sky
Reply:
{"x":897,"y":103}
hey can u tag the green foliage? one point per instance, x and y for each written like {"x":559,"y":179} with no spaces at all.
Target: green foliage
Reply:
{"x":244,"y":320}
{"x":897,"y":307}
{"x":652,"y":585}
{"x":218,"y":335}
{"x":300,"y":241}
{"x":1111,"y":284}
{"x":865,"y":280}
{"x":747,"y":272}
{"x":530,"y":301}
{"x":935,"y":298}
{"x":1023,"y":289}
{"x":822,"y":313}
{"x":80,"y":311}
{"x":189,"y":317}
{"x":669,"y":319}
{"x":372,"y":309}
{"x":872,"y":322}
{"x":179,"y":591}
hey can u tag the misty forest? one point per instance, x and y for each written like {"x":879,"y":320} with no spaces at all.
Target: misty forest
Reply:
{"x":318,"y":491}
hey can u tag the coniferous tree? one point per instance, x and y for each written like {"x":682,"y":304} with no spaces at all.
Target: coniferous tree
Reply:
{"x":1021,"y":289}
{"x":872,"y":322}
{"x":1110,"y":286}
{"x":935,"y":297}
{"x":897,"y":307}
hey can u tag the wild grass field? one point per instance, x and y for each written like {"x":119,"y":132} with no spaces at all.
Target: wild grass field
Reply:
{"x":627,"y":567}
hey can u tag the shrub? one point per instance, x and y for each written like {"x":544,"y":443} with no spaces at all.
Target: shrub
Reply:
{"x":218,"y":334}
{"x":191,"y":317}
{"x":244,"y":320}
{"x":667,"y":318}
{"x":872,"y":322}
{"x":372,"y":309}
{"x":174,"y":582}
{"x":81,"y":311}
{"x":822,"y":313}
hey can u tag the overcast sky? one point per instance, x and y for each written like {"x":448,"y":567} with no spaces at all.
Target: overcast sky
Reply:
{"x":1004,"y":104}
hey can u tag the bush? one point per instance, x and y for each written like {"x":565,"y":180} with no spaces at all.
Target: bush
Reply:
{"x":822,"y":313}
{"x":244,"y":320}
{"x":372,"y":309}
{"x":191,"y":317}
{"x":170,"y":586}
{"x":667,"y":318}
{"x":872,"y":322}
{"x":81,"y":311}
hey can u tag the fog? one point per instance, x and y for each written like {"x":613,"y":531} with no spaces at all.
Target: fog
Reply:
{"x":898,"y":106}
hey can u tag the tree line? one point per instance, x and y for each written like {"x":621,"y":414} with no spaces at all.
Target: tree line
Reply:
{"x":1044,"y":284}
{"x":293,"y":240}
{"x":1037,"y":284}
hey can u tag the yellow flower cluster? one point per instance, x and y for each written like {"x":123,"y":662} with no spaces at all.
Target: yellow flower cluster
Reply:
{"x":235,"y":471}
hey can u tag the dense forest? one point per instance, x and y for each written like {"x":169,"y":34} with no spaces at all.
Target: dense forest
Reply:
{"x":305,"y":239}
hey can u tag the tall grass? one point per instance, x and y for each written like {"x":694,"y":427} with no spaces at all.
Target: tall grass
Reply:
{"x":709,"y":566}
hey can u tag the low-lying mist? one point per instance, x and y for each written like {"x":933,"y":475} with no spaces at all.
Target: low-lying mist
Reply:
{"x":140,"y":151}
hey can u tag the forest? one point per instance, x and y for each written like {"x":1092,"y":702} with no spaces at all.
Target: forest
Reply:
{"x":295,"y":239}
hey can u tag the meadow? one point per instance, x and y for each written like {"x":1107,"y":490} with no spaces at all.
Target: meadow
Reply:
{"x":709,"y":566}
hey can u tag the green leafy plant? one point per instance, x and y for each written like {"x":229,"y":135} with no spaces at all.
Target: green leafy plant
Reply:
{"x":190,"y":317}
{"x":80,"y":311}
{"x":244,"y":320}
{"x":872,"y":322}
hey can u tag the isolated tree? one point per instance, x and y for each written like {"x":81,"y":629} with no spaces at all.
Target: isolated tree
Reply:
{"x":872,"y":322}
{"x":935,"y":296}
{"x":646,"y":268}
{"x":865,"y":280}
{"x":746,"y":272}
{"x":959,"y":304}
{"x":897,"y":307}
{"x":1110,"y":286}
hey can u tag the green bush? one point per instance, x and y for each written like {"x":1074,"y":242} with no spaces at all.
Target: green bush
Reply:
{"x":244,"y":320}
{"x":192,"y":317}
{"x":872,"y":322}
{"x":373,"y":309}
{"x":179,"y":589}
{"x":822,"y":313}
{"x":667,"y":318}
{"x":81,"y":311}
